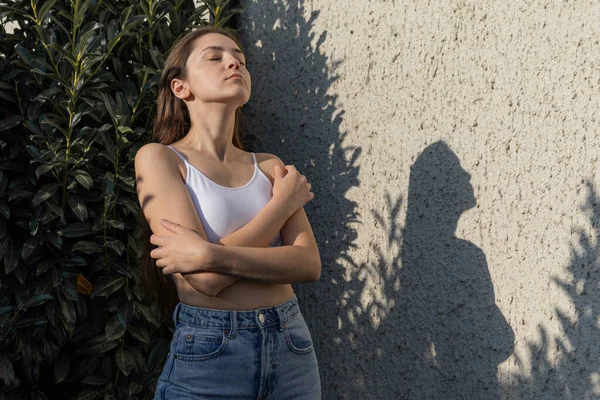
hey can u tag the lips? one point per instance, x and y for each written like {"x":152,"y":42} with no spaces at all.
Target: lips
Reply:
{"x":234,"y":75}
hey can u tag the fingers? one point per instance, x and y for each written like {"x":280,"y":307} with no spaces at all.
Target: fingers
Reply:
{"x":172,"y":226}
{"x":166,"y":270}
{"x":278,"y":172}
{"x":157,"y":240}
{"x":157,"y":253}
{"x":160,"y":263}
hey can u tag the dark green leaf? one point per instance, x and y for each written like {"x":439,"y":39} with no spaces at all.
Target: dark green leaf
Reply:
{"x":11,"y":257}
{"x":3,"y":228}
{"x":23,"y":54}
{"x":47,"y":5}
{"x":116,"y":245}
{"x":43,"y":266}
{"x":68,"y":311}
{"x":27,"y":322}
{"x":5,"y":310}
{"x":122,"y":269}
{"x":7,"y":373}
{"x":108,"y":184}
{"x":113,"y":329}
{"x":76,"y":230}
{"x":68,"y":56}
{"x":77,"y":206}
{"x":10,"y":122}
{"x":36,"y":301}
{"x":87,"y":247}
{"x":144,"y":312}
{"x":124,"y":361}
{"x":89,"y":394}
{"x":46,"y":191}
{"x":4,"y":245}
{"x":72,"y":261}
{"x":84,"y":178}
{"x":29,"y":247}
{"x":94,"y":380}
{"x":32,"y":126}
{"x":116,"y":224}
{"x":107,"y":285}
{"x":157,"y":353}
{"x":42,"y":169}
{"x":125,"y":312}
{"x":69,"y":290}
{"x":21,"y":273}
{"x":99,"y":348}
{"x":61,"y":367}
{"x":139,"y":332}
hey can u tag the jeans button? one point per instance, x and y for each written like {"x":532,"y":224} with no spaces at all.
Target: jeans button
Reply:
{"x":261,"y":318}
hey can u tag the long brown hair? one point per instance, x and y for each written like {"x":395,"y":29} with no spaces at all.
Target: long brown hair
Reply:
{"x":171,"y":123}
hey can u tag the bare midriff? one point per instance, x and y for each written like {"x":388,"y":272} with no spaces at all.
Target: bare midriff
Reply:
{"x":243,"y":295}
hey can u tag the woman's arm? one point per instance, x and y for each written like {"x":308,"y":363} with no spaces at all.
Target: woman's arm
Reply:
{"x":162,"y":194}
{"x":256,"y":233}
{"x":297,"y":261}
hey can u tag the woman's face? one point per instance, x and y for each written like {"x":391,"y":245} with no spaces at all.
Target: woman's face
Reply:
{"x":209,"y":68}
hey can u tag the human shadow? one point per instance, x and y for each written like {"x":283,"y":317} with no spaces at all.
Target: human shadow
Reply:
{"x":291,"y":114}
{"x":565,"y":362}
{"x":452,"y":336}
{"x":418,"y":319}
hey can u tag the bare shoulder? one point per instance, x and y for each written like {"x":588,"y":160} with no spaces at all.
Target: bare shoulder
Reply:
{"x":156,"y":156}
{"x":267,"y":162}
{"x":152,"y":152}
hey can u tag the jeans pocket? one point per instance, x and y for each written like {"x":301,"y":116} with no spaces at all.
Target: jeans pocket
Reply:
{"x":199,"y":343}
{"x":297,"y":335}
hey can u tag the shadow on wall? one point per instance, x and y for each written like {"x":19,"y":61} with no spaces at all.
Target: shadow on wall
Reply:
{"x":565,"y":364}
{"x":290,"y":114}
{"x":441,"y":335}
{"x":453,"y":336}
{"x":438,"y":333}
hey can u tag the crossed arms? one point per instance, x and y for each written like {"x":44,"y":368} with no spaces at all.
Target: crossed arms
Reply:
{"x":245,"y":252}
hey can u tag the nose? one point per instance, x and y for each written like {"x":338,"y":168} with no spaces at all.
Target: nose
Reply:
{"x":234,"y":62}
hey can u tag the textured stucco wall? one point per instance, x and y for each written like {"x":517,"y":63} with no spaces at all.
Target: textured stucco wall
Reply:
{"x":453,"y":150}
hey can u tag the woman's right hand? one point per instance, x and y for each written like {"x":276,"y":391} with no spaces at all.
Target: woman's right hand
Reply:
{"x":291,"y":187}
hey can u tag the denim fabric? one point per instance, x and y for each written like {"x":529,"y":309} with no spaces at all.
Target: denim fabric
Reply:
{"x":266,"y":353}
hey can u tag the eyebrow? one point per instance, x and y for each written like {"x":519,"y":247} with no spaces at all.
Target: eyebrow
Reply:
{"x":235,"y":50}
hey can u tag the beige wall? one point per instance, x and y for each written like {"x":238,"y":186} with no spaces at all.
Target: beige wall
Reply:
{"x":453,"y":150}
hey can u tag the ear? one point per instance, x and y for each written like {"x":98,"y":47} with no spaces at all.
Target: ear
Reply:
{"x":180,"y":88}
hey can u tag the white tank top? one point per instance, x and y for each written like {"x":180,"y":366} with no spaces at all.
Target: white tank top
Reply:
{"x":224,"y":210}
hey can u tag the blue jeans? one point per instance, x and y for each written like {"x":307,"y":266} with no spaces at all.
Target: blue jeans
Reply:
{"x":266,"y":353}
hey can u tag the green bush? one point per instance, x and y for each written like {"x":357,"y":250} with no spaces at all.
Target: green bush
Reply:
{"x":77,"y":93}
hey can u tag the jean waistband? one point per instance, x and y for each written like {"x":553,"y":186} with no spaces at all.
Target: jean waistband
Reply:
{"x":261,"y":317}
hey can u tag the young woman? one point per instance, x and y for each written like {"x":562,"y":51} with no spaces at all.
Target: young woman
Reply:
{"x":231,"y":236}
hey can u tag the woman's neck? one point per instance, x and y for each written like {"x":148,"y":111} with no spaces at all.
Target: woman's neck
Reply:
{"x":211,"y":130}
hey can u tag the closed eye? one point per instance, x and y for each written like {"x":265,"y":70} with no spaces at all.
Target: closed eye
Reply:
{"x":216,"y":59}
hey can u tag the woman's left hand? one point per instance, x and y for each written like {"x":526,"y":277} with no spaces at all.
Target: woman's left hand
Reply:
{"x":184,"y":252}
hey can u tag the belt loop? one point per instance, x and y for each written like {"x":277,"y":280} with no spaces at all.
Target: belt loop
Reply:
{"x":281,"y":317}
{"x":233,"y":331}
{"x":175,"y":313}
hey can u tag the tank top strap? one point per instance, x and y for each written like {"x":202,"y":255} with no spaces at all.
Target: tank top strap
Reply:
{"x":253,"y":159}
{"x":179,"y":154}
